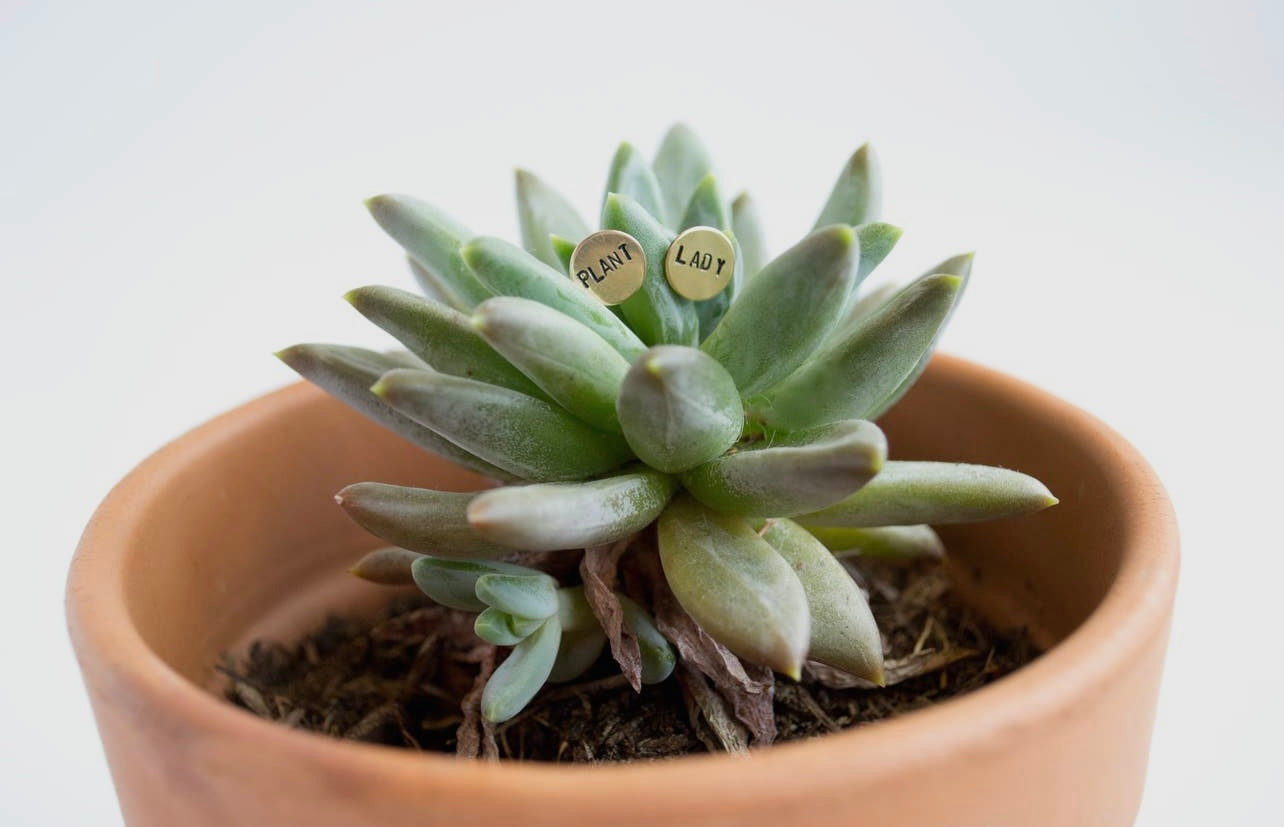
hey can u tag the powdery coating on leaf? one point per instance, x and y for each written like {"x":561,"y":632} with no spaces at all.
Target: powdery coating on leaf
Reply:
{"x":439,"y":335}
{"x":734,"y":584}
{"x":679,"y":408}
{"x":525,"y":436}
{"x":936,"y":493}
{"x":599,"y":572}
{"x":419,"y":519}
{"x":843,"y":631}
{"x":511,"y":271}
{"x":569,"y":362}
{"x":786,"y":311}
{"x":543,"y":212}
{"x":852,"y":377}
{"x":551,"y":516}
{"x":793,"y":474}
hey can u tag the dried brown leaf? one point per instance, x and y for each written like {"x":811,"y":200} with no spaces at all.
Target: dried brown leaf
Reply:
{"x":471,"y":734}
{"x":599,"y":570}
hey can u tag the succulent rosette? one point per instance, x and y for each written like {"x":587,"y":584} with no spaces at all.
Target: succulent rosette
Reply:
{"x":741,"y":426}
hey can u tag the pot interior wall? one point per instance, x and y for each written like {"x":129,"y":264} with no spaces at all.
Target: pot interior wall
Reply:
{"x":266,"y":553}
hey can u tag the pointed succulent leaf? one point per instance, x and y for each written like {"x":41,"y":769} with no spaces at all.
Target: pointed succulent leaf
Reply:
{"x":551,"y":516}
{"x":494,"y":626}
{"x":419,"y":519}
{"x":863,"y":308}
{"x":511,"y":271}
{"x":857,"y":194}
{"x":876,"y":241}
{"x":680,"y":164}
{"x":631,"y":176}
{"x":435,"y":288}
{"x":453,"y":583}
{"x":564,"y":248}
{"x":843,"y":632}
{"x":747,"y":226}
{"x":895,"y":542}
{"x":679,"y":408}
{"x":543,"y":212}
{"x":389,"y":566}
{"x":658,"y":657}
{"x":792,"y":474}
{"x":347,"y":373}
{"x":432,"y":239}
{"x":532,"y":595}
{"x":960,"y":266}
{"x":854,"y":375}
{"x":578,"y":651}
{"x":570,"y":363}
{"x":441,"y":336}
{"x":522,"y":673}
{"x":655,"y":312}
{"x":527,"y":437}
{"x":936,"y":493}
{"x":706,"y":207}
{"x":735,"y":585}
{"x":783,"y":313}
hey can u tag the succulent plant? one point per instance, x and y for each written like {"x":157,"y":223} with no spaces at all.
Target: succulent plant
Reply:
{"x":740,"y":426}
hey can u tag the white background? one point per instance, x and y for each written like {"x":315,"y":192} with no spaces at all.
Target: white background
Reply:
{"x":180,"y":195}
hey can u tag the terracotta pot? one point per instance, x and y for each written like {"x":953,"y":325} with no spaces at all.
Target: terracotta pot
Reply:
{"x":230,"y":533}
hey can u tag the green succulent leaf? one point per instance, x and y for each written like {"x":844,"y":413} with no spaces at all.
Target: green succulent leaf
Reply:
{"x":550,"y":516}
{"x":960,"y":266}
{"x":564,"y":248}
{"x":853,"y":376}
{"x":658,"y":657}
{"x":434,"y":288}
{"x":843,"y":632}
{"x":863,"y":307}
{"x":570,"y":363}
{"x":578,"y":652}
{"x":656,"y":313}
{"x":419,"y":519}
{"x":347,"y":373}
{"x":735,"y":585}
{"x":530,"y":595}
{"x":792,"y":474}
{"x":680,"y":164}
{"x":936,"y":493}
{"x":573,"y":610}
{"x":632,"y":177}
{"x":522,"y":673}
{"x":453,"y":583}
{"x":511,"y":271}
{"x":542,"y":212}
{"x":783,"y":313}
{"x":389,"y":566}
{"x":527,"y":437}
{"x":747,"y":227}
{"x":706,"y":207}
{"x":896,"y":542}
{"x":857,"y":194}
{"x":876,"y":241}
{"x":433,"y":240}
{"x":439,"y":335}
{"x":501,"y":629}
{"x":679,"y":408}
{"x":710,"y":311}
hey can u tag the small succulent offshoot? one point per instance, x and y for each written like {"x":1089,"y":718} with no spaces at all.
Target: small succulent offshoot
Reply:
{"x":741,"y":427}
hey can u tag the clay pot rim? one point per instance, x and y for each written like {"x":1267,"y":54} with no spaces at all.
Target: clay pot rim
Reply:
{"x":1133,"y":612}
